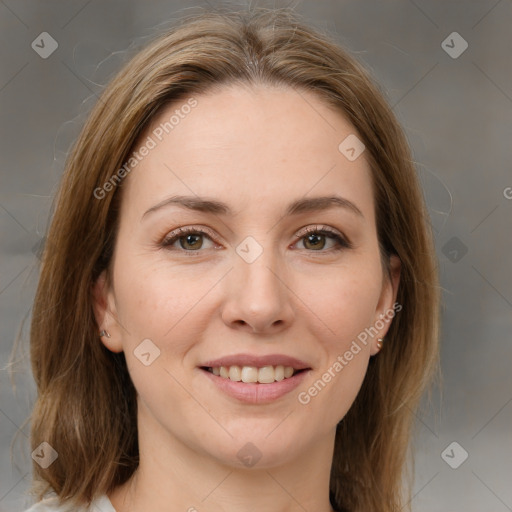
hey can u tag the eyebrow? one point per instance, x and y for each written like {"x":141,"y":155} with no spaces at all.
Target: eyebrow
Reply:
{"x":299,"y":206}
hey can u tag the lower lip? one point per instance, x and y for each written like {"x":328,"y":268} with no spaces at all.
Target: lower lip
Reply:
{"x":253,"y":392}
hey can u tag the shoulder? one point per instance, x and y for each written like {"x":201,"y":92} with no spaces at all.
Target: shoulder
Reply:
{"x":52,"y":505}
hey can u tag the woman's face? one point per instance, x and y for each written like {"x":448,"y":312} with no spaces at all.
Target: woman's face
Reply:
{"x":248,"y":287}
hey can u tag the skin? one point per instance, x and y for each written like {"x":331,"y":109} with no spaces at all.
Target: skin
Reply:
{"x":256,"y":149}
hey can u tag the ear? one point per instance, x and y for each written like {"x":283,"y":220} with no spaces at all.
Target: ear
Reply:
{"x":105,"y":313}
{"x":386,"y":306}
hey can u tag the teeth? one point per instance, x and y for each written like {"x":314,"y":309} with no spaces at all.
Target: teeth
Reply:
{"x":263,"y":375}
{"x":279,"y":373}
{"x":235,"y":373}
{"x":249,"y":374}
{"x":266,"y":375}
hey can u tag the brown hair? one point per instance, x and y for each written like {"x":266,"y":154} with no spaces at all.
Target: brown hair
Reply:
{"x":86,"y":407}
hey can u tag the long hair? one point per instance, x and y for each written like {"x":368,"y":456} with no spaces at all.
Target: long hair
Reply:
{"x":86,"y":406}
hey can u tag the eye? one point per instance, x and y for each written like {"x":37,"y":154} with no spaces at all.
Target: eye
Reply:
{"x":314,"y":238}
{"x":189,"y":238}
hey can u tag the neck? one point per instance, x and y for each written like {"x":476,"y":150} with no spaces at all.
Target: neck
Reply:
{"x":172,"y":476}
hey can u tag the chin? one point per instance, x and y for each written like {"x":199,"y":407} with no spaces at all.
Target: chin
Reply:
{"x":254,"y":450}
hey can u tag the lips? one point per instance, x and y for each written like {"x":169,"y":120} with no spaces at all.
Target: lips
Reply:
{"x":255,"y":379}
{"x":256,"y":361}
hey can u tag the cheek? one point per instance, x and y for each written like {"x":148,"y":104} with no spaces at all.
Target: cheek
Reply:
{"x":165,"y":305}
{"x":344,"y":301}
{"x":346,"y":306}
{"x":153,"y":299}
{"x":159,"y":311}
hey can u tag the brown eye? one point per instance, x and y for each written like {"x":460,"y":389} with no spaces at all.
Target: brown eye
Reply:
{"x":314,"y":239}
{"x":190,"y":239}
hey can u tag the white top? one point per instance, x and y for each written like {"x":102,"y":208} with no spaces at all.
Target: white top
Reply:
{"x":100,"y":504}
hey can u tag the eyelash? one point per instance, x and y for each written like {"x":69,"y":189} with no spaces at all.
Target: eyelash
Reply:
{"x":341,"y":242}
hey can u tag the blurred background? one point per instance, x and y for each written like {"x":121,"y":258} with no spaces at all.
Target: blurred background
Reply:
{"x":446,"y":68}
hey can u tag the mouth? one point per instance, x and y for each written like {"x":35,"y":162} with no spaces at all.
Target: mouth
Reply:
{"x":255,"y":379}
{"x":254,"y":385}
{"x":253,"y":374}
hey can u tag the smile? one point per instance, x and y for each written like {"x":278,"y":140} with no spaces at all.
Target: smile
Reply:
{"x":253,"y":374}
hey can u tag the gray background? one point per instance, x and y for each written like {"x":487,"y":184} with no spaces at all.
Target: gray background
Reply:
{"x":457,"y":113}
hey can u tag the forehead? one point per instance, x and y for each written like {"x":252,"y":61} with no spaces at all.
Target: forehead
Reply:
{"x":248,"y":144}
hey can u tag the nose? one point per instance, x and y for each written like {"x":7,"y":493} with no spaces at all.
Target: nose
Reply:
{"x":258,"y":298}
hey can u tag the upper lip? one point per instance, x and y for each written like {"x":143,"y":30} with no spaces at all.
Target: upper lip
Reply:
{"x":258,"y":361}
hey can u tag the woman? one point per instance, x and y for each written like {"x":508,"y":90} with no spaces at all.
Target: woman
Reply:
{"x":238,"y":300}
